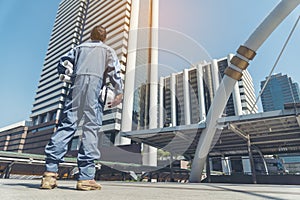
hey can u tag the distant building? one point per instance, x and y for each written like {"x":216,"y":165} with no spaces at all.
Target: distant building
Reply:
{"x":186,"y":96}
{"x":12,"y":137}
{"x":279,"y":90}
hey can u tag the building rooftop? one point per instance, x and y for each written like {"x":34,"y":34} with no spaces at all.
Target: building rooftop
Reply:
{"x":16,"y":125}
{"x":269,"y":132}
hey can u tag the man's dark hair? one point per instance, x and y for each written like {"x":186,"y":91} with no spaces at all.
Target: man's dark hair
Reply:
{"x":98,"y":33}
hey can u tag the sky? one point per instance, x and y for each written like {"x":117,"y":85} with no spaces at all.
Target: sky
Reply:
{"x":193,"y":30}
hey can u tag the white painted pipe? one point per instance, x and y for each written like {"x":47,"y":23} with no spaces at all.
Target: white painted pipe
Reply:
{"x":186,"y":97}
{"x":67,"y":64}
{"x":153,"y":112}
{"x":173,"y":99}
{"x":220,"y":100}
{"x":161,"y":102}
{"x":65,"y":78}
{"x":151,"y":152}
{"x":201,"y":100}
{"x":69,"y":72}
{"x":215,"y":74}
{"x":130,"y":74}
{"x":69,"y":67}
{"x":130,"y":68}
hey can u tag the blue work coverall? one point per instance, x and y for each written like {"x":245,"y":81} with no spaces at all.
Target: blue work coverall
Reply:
{"x":91,"y":62}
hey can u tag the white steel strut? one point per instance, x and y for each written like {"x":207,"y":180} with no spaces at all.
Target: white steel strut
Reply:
{"x":233,"y":73}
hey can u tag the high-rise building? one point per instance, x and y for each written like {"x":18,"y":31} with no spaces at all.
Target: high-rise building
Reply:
{"x":187,"y":95}
{"x":279,"y":90}
{"x":66,"y":33}
{"x":74,"y":20}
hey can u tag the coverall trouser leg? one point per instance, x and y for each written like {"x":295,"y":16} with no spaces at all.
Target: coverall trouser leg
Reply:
{"x":81,"y":103}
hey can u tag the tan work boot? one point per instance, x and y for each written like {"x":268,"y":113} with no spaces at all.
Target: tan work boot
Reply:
{"x":49,"y":180}
{"x":88,"y":185}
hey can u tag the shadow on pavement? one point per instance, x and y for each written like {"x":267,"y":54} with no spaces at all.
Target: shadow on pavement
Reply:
{"x":37,"y":186}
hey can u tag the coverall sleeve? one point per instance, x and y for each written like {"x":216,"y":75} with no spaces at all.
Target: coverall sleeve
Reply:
{"x":70,"y":56}
{"x":113,"y":71}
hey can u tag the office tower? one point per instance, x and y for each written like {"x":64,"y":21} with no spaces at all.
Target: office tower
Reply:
{"x":48,"y":103}
{"x":279,"y":90}
{"x":187,"y":95}
{"x":74,"y":20}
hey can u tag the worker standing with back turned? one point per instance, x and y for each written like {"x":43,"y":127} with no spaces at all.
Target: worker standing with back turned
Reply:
{"x":93,"y":62}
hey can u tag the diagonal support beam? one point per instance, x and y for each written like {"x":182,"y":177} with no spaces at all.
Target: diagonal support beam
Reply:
{"x":233,"y":73}
{"x":237,"y":131}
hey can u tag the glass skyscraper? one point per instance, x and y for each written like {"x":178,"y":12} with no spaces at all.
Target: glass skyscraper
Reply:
{"x":279,"y":90}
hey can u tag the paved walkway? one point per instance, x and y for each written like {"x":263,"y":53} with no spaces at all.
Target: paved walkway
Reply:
{"x":28,"y":189}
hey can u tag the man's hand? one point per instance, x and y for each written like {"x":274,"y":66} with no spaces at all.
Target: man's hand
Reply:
{"x":117,"y":100}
